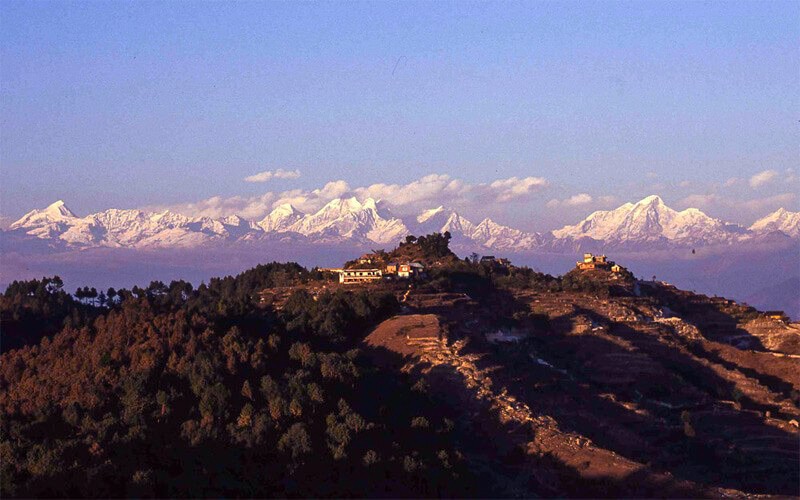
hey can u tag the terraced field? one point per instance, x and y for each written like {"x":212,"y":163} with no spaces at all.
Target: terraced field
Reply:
{"x":629,"y":395}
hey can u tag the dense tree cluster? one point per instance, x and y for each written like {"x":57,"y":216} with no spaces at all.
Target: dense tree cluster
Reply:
{"x":174,"y":391}
{"x":30,"y":310}
{"x":432,"y":246}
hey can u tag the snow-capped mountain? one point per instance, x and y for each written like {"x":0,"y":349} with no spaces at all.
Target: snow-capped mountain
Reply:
{"x":651,"y":221}
{"x":347,"y":218}
{"x":781,"y":220}
{"x":440,"y":220}
{"x":46,"y":223}
{"x":127,"y":228}
{"x":648,"y":223}
{"x":281,"y":218}
{"x":487,"y":233}
{"x":493,"y":235}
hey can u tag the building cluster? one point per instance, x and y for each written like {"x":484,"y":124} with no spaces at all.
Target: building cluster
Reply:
{"x":591,"y":261}
{"x":392,"y":270}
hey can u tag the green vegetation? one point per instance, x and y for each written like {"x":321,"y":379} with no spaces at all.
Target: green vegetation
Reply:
{"x":175,"y":391}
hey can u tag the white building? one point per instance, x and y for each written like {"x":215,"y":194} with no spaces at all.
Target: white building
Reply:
{"x":359,"y":275}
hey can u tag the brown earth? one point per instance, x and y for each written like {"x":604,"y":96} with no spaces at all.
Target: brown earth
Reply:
{"x":619,"y":396}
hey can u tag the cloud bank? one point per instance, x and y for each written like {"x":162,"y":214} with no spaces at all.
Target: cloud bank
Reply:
{"x":438,"y":189}
{"x":762,"y":178}
{"x":268,"y":175}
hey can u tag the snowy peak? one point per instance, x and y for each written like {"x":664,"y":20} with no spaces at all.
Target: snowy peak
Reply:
{"x":341,"y":206}
{"x":493,"y":235}
{"x":649,"y":220}
{"x":281,"y":218}
{"x":458,"y":225}
{"x":648,"y":223}
{"x":349,"y":218}
{"x":780,"y":220}
{"x":54,"y":213}
{"x":370,"y":204}
{"x":59,"y":209}
{"x":427,"y":214}
{"x":442,"y":219}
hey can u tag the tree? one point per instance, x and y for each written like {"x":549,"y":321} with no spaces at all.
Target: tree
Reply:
{"x":90,"y":293}
{"x":295,"y":441}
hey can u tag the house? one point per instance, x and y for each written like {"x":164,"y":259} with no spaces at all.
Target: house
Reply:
{"x":778,"y":315}
{"x":391,"y":267}
{"x":616,"y":268}
{"x":410,"y":270}
{"x":330,"y":269}
{"x":367,"y":258}
{"x":591,"y":261}
{"x":488,"y":259}
{"x":350,"y":276}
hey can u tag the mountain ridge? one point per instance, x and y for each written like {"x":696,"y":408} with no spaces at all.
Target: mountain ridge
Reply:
{"x":647,"y":223}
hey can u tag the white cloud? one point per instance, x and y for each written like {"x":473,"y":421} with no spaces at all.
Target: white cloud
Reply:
{"x":699,"y":201}
{"x":735,"y":208}
{"x":732,"y":182}
{"x":428,"y":191}
{"x":270,"y":174}
{"x":215,"y":207}
{"x":762,"y":178}
{"x":770,"y":202}
{"x":311,"y":201}
{"x":573,"y":201}
{"x":508,"y":189}
{"x":609,"y":200}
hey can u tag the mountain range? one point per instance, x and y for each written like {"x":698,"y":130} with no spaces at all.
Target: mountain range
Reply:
{"x":648,"y":223}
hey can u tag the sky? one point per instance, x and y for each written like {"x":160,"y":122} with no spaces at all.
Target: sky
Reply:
{"x":533,"y":113}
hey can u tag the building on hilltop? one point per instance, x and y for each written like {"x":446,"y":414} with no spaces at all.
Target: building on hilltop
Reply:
{"x":777,"y":315}
{"x":405,"y":270}
{"x":330,"y":269}
{"x":367,"y":258}
{"x":591,"y":261}
{"x":410,"y":270}
{"x":350,"y":276}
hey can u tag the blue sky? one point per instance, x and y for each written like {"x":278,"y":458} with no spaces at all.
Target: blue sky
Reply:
{"x":173,"y":104}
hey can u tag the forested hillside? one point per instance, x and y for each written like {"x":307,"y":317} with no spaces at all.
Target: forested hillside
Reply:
{"x":170,"y":391}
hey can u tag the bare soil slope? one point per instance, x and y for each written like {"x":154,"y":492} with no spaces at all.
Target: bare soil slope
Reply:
{"x":609,"y":396}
